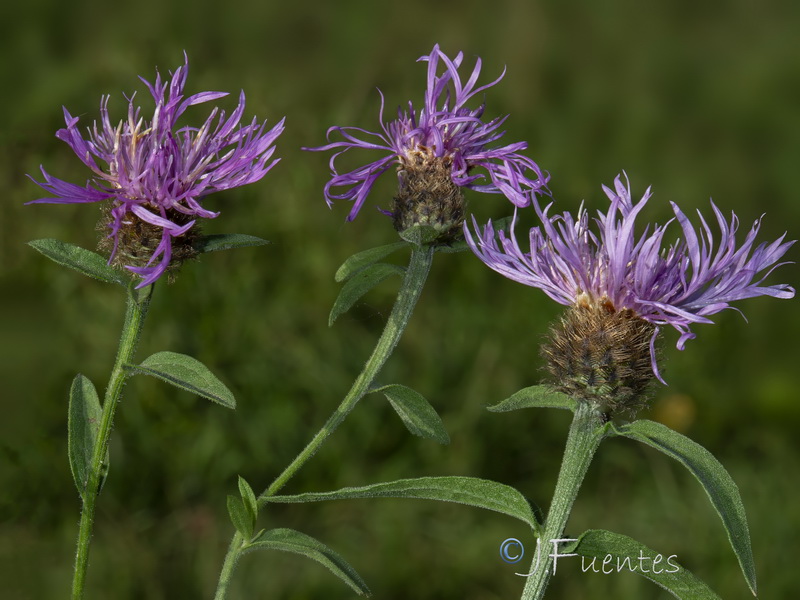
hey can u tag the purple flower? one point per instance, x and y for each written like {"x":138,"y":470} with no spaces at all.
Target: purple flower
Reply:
{"x":679,"y":286}
{"x":445,"y":129}
{"x":155,"y":175}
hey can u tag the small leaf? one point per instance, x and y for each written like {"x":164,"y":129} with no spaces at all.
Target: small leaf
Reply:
{"x":453,"y":247}
{"x":419,"y":417}
{"x":248,"y":497}
{"x":82,"y":260}
{"x":628,"y":555}
{"x":83,"y":424}
{"x":359,"y":284}
{"x":471,"y":491}
{"x":536,"y":396}
{"x":289,"y":540}
{"x":186,"y":373}
{"x":716,"y":481}
{"x":227,"y":241}
{"x":241,"y":518}
{"x":363,"y":259}
{"x":419,"y":235}
{"x":502,"y":224}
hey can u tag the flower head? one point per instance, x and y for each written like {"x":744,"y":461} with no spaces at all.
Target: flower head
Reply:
{"x":154,"y":175}
{"x":445,"y":135}
{"x":608,"y":269}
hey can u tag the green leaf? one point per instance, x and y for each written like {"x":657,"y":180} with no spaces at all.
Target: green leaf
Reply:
{"x":419,"y":417}
{"x":628,"y":555}
{"x":419,"y":235}
{"x":363,"y":259}
{"x":227,"y":241}
{"x":82,"y":260}
{"x":289,"y":540}
{"x":186,"y":373}
{"x":83,"y":424}
{"x":471,"y":491}
{"x":536,"y":396}
{"x":242,"y":519}
{"x":716,"y":481}
{"x":452,"y":247}
{"x":248,"y":497}
{"x":359,"y":284}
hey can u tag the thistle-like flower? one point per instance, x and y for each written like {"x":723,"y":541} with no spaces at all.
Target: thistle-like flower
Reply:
{"x":154,"y":175}
{"x":621,"y":288}
{"x":436,"y":149}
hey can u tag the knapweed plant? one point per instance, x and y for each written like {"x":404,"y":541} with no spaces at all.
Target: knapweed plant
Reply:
{"x":151,"y":178}
{"x":620,"y":288}
{"x":436,"y":150}
{"x":619,"y":281}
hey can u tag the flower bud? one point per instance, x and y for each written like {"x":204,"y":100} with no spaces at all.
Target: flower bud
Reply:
{"x":599,"y":355}
{"x":427,"y":196}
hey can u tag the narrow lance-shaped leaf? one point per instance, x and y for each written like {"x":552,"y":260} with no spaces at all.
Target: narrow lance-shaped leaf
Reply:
{"x":82,"y":260}
{"x":613,"y":553}
{"x":243,"y":519}
{"x":365,"y":258}
{"x":480,"y":493}
{"x":248,"y":498}
{"x":716,"y":481}
{"x":359,"y":284}
{"x":227,"y":241}
{"x":186,"y":373}
{"x":289,"y":540}
{"x":82,"y":423}
{"x":537,"y":396}
{"x":419,"y":417}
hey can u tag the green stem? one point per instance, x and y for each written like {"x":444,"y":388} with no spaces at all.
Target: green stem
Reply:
{"x":585,"y":435}
{"x":138,"y":303}
{"x":410,"y":290}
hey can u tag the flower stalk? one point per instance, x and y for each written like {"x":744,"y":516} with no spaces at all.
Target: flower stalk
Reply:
{"x":410,"y":291}
{"x":137,"y":306}
{"x":585,"y":434}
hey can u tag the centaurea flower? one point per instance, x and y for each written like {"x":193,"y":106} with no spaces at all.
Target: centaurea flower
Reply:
{"x":154,"y":175}
{"x":611,"y":271}
{"x":436,"y":147}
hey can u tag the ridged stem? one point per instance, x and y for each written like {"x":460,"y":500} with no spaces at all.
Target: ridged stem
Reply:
{"x":138,"y":303}
{"x":585,"y":435}
{"x":410,"y":290}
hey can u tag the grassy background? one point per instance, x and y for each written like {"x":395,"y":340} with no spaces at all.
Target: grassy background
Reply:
{"x":697,"y":99}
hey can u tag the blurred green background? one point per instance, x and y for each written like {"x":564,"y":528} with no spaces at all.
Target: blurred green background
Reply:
{"x":697,"y":99}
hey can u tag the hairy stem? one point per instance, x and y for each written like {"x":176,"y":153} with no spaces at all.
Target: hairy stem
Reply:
{"x":585,"y":435}
{"x":410,"y":290}
{"x":138,"y":303}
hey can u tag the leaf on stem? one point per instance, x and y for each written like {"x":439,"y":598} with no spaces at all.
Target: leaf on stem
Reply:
{"x":227,"y":241}
{"x":480,"y":493}
{"x":82,"y":260}
{"x":716,"y":481}
{"x":359,"y":284}
{"x":242,"y":518}
{"x":419,"y":417}
{"x":536,"y":396}
{"x":186,"y":373}
{"x":629,"y":555}
{"x":83,"y":425}
{"x":289,"y":540}
{"x":248,"y":498}
{"x":419,"y":235}
{"x":365,"y":258}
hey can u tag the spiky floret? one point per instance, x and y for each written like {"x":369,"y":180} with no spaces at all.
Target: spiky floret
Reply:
{"x":444,"y":128}
{"x":680,"y":285}
{"x":155,"y":175}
